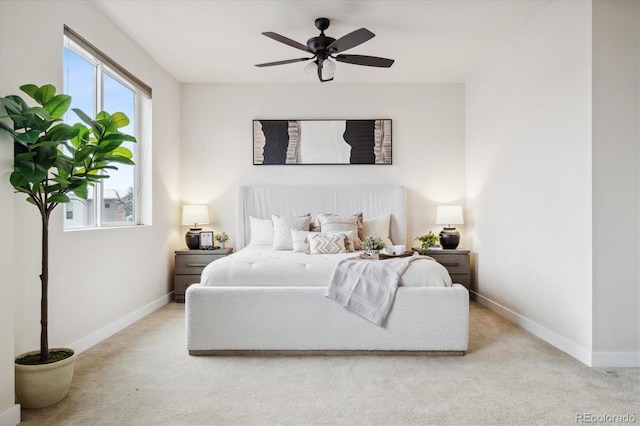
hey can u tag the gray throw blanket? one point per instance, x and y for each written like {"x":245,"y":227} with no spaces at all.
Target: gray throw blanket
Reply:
{"x":367,"y":287}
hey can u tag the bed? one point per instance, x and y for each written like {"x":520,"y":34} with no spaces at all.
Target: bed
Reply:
{"x":251,"y":307}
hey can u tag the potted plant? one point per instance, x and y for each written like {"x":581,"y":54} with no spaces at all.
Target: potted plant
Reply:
{"x":428,"y":240}
{"x":52,"y":160}
{"x":222,"y":238}
{"x":372,"y":245}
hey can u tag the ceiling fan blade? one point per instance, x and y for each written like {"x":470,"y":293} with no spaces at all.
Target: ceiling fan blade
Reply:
{"x":350,"y":40}
{"x":287,"y":61}
{"x":369,"y":61}
{"x":288,"y":42}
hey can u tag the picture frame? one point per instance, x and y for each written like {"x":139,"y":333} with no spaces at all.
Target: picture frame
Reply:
{"x":206,"y":240}
{"x":322,"y":142}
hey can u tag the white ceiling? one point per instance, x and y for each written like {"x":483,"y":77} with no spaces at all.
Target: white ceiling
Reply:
{"x":220,"y":41}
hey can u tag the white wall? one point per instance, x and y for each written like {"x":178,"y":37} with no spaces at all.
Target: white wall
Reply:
{"x":90,"y":297}
{"x":9,"y":412}
{"x":428,"y":142}
{"x":616,"y":182}
{"x":528,"y":177}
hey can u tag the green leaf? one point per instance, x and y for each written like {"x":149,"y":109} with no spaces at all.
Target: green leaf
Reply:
{"x":82,"y":191}
{"x":7,"y":129}
{"x":11,"y":106}
{"x":58,"y":198}
{"x":117,"y":159}
{"x":17,"y":180}
{"x":28,"y":138}
{"x":32,"y":172}
{"x":120,"y":119}
{"x":29,"y":89}
{"x":120,"y":137}
{"x":84,"y":117}
{"x":62,"y":132}
{"x":103,"y":115}
{"x":123,"y":152}
{"x":58,"y":105}
{"x":83,"y":133}
{"x":39,"y":111}
{"x":64,"y":183}
{"x":44,"y":94}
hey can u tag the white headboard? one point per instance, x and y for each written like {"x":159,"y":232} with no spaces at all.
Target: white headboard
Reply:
{"x":294,"y":200}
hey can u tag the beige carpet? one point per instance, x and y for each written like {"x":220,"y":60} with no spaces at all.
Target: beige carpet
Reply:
{"x":143,"y":376}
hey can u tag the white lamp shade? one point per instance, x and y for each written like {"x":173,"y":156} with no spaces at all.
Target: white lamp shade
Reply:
{"x":449,"y":215}
{"x":328,"y":68}
{"x":195,"y":214}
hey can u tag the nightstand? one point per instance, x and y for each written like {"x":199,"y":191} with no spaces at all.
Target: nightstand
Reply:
{"x":189,"y":266}
{"x":457,"y":262}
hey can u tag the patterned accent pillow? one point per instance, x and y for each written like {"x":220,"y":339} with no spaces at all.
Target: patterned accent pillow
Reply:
{"x":301,"y":240}
{"x":326,"y":243}
{"x":335,"y":223}
{"x":282,"y":227}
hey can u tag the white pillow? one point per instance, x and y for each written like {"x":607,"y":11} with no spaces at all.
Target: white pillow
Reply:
{"x":282,"y":227}
{"x":261,"y":231}
{"x":300,"y":240}
{"x":326,"y":243}
{"x":378,"y":227}
{"x":335,"y":223}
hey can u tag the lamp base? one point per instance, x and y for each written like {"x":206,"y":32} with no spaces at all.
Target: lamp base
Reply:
{"x":192,"y":238}
{"x":449,"y":238}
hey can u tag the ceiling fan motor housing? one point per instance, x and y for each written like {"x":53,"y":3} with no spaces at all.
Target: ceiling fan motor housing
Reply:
{"x":320,"y":43}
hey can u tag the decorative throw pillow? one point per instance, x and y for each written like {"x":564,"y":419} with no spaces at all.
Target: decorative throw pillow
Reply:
{"x":282,"y":227}
{"x":335,"y":223}
{"x":378,"y":227}
{"x":300,"y":240}
{"x":261,"y":231}
{"x":326,"y":243}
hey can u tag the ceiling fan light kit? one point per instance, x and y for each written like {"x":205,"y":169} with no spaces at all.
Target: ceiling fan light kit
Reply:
{"x":326,"y":48}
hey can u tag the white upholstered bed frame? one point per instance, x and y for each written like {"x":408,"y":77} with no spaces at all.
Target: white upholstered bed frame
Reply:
{"x":300,"y":320}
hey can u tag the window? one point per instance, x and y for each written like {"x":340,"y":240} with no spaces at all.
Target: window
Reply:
{"x":96,"y":83}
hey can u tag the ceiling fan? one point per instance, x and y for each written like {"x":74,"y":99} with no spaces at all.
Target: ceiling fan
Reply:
{"x":323,"y":48}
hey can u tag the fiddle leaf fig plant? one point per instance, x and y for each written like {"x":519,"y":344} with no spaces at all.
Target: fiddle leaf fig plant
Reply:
{"x":53,"y":159}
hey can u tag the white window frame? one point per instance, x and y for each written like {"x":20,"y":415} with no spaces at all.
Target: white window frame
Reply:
{"x":104,"y":65}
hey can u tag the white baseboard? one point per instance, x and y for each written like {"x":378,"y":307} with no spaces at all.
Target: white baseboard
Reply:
{"x":578,"y":352}
{"x":615,"y":359}
{"x":11,"y":417}
{"x":109,"y":330}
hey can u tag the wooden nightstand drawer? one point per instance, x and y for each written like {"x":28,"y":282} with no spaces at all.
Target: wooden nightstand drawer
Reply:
{"x":457,"y":262}
{"x":454,"y":263}
{"x":193,"y":263}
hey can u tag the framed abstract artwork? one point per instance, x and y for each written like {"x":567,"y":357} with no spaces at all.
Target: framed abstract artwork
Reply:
{"x":321,"y":142}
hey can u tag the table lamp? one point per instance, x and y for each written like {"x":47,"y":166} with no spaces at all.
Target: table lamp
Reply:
{"x":194,"y":215}
{"x":449,"y":215}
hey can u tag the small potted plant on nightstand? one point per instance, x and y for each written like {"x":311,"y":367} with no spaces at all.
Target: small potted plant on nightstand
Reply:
{"x":222,"y":239}
{"x":429,"y":242}
{"x":53,"y":160}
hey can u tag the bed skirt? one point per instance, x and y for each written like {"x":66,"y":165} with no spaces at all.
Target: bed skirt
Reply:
{"x":286,"y":320}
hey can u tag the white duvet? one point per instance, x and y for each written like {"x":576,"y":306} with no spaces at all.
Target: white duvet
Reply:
{"x":262,"y":266}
